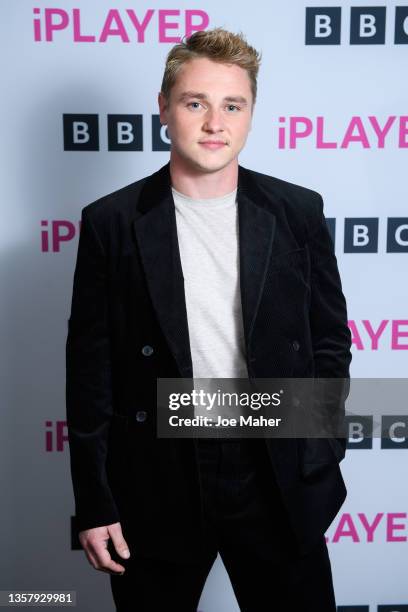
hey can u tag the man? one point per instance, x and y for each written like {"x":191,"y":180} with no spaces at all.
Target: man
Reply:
{"x":203,"y":269}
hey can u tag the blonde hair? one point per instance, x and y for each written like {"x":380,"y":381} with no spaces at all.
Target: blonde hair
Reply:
{"x":218,"y":45}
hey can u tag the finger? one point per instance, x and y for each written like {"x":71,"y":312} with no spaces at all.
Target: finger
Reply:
{"x":89,"y":549}
{"x":119,"y":542}
{"x":104,"y":560}
{"x":91,"y":558}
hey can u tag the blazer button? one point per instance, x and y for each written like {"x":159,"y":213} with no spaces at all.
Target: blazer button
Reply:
{"x":296,"y":345}
{"x":147,"y":350}
{"x":141,"y":416}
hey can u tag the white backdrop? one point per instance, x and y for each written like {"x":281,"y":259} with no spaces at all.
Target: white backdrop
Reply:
{"x":343,"y":94}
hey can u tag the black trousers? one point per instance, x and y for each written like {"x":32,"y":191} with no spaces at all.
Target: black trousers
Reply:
{"x":246,"y":523}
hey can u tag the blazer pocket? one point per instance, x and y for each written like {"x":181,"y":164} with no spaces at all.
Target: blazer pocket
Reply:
{"x":316,"y":455}
{"x":289,"y":259}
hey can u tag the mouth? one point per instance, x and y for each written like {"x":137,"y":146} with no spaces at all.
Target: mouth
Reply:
{"x":212,"y":144}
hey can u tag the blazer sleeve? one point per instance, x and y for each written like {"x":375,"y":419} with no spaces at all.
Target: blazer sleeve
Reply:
{"x":88,"y":383}
{"x":331,"y":336}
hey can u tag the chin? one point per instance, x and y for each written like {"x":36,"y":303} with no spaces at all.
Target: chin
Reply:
{"x":203,"y":163}
{"x":212,"y":166}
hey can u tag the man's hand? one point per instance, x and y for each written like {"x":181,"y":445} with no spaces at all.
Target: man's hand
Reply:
{"x":95,"y":544}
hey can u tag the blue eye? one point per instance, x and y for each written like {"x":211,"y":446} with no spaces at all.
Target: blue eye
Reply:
{"x":191,"y":104}
{"x":233,"y":106}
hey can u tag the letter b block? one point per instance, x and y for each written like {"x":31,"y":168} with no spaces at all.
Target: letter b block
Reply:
{"x":367,"y":25}
{"x":125,"y":132}
{"x":361,"y":235}
{"x":323,"y":25}
{"x":81,"y":132}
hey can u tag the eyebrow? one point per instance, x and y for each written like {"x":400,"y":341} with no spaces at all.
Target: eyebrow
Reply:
{"x":202,"y":96}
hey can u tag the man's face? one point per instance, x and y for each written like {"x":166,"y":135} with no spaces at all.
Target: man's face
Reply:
{"x":208,"y":115}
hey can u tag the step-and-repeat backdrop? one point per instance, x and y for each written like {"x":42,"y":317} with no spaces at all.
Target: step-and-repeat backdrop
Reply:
{"x":80,"y":120}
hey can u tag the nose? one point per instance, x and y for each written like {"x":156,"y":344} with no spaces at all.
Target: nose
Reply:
{"x":213,"y":121}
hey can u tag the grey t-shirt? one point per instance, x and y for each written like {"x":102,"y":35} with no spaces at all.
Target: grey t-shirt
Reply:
{"x":207,"y":232}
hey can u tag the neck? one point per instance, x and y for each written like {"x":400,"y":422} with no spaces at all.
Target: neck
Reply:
{"x":198,"y":184}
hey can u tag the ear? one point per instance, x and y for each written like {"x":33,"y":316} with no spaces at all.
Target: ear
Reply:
{"x":162,"y":101}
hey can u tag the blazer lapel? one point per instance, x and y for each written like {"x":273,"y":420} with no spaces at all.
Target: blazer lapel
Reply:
{"x":156,"y":234}
{"x":256,"y":226}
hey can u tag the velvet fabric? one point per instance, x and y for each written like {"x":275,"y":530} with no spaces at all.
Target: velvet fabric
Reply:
{"x":128,"y":293}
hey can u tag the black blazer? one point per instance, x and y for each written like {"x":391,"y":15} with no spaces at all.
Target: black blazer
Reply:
{"x":128,"y":293}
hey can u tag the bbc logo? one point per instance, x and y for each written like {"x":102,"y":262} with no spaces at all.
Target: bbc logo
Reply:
{"x":361,"y":234}
{"x":394,"y":432}
{"x":366,"y":25}
{"x":124,"y":133}
{"x":379,"y":608}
